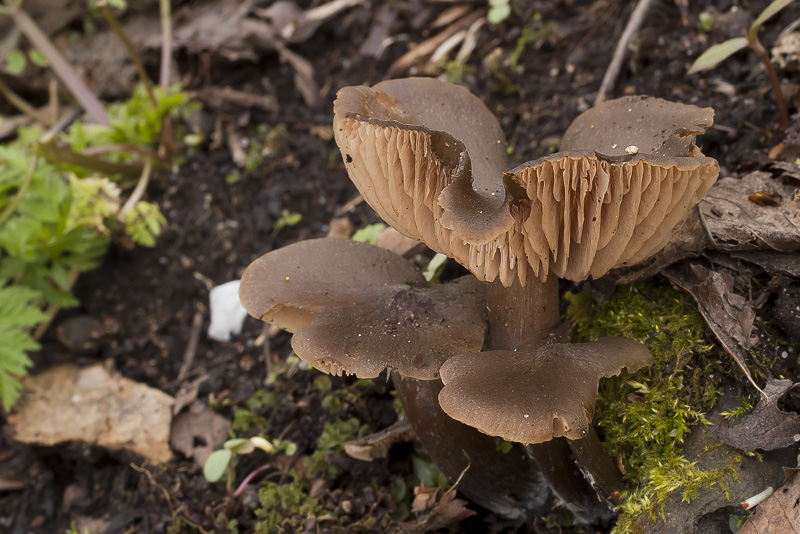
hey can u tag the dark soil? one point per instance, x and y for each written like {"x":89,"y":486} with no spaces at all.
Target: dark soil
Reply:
{"x":215,"y":228}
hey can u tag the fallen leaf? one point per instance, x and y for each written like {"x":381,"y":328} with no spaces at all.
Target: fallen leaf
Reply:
{"x":778,"y":514}
{"x":766,"y":427}
{"x":728,"y":315}
{"x":377,"y":445}
{"x":95,"y":406}
{"x":703,"y":449}
{"x":448,"y":511}
{"x":198,"y":431}
{"x":735,"y":223}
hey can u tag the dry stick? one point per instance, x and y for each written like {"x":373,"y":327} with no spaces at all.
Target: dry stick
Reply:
{"x":137,"y":61}
{"x":60,"y":66}
{"x":18,"y":102}
{"x":166,"y":43}
{"x":619,"y":53}
{"x":194,"y":340}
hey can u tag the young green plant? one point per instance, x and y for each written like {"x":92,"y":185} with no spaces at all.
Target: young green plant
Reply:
{"x":722,"y":51}
{"x":220,"y":462}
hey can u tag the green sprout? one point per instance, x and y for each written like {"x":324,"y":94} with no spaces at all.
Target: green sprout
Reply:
{"x":220,"y":462}
{"x":722,"y":51}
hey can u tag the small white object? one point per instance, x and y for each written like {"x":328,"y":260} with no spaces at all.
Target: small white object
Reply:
{"x":227,"y":313}
{"x":633,"y":149}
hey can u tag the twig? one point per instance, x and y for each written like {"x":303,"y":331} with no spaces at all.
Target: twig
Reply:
{"x":59,"y":65}
{"x":194,"y":339}
{"x":12,"y":206}
{"x":619,"y":53}
{"x":138,"y":191}
{"x":166,"y":43}
{"x":121,"y":147}
{"x":152,"y":480}
{"x":18,"y":102}
{"x":137,"y":61}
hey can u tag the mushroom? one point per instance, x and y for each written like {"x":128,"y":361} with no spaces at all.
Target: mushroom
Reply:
{"x":542,"y":392}
{"x":355,"y":308}
{"x":358,"y":309}
{"x":430,"y":158}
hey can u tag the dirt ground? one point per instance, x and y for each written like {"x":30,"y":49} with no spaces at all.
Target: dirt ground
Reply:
{"x":217,"y":225}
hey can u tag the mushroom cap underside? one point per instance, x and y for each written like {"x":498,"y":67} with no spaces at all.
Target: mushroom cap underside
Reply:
{"x":577,"y":213}
{"x":355,"y":308}
{"x":535,"y":394}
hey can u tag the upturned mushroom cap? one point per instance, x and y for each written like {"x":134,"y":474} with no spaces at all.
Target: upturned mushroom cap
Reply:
{"x":358,"y":309}
{"x":534,"y":395}
{"x":429,"y":158}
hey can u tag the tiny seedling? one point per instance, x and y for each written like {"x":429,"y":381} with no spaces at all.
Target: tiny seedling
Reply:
{"x":220,"y":462}
{"x":722,"y":51}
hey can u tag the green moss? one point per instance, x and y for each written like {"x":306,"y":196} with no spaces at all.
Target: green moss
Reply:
{"x":285,"y":507}
{"x":645,"y":419}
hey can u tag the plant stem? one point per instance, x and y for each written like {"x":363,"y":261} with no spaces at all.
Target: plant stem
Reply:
{"x":59,"y":65}
{"x":18,"y":102}
{"x":12,"y":206}
{"x":759,"y":49}
{"x":137,"y":61}
{"x":141,"y":187}
{"x":166,"y":43}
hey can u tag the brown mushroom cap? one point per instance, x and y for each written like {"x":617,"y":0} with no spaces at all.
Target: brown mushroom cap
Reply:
{"x":358,"y":309}
{"x":429,"y":158}
{"x":537,"y":394}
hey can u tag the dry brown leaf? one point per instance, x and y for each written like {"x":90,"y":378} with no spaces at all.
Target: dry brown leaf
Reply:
{"x":95,"y":406}
{"x":766,"y":427}
{"x":728,"y":315}
{"x":448,"y":511}
{"x":779,"y":514}
{"x":735,"y":223}
{"x":198,"y":431}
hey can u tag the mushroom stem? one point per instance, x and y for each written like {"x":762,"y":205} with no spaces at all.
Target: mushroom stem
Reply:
{"x":509,"y":484}
{"x":576,"y":470}
{"x":522,"y":315}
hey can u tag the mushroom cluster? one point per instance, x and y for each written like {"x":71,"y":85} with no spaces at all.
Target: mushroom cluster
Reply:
{"x":430,"y":159}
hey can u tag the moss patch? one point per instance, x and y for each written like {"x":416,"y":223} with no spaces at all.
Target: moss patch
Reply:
{"x":645,"y":418}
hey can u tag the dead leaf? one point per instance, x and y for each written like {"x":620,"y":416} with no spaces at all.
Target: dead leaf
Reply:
{"x":392,"y":240}
{"x":198,"y":431}
{"x":448,"y":511}
{"x":303,"y":77}
{"x":778,"y":514}
{"x":377,"y":445}
{"x":773,"y":262}
{"x":728,"y":315}
{"x":95,"y":406}
{"x":187,"y":394}
{"x":735,"y":223}
{"x":766,"y":427}
{"x":702,"y":447}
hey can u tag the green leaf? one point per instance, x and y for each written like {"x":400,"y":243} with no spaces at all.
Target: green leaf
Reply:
{"x":769,"y":11}
{"x":15,"y":62}
{"x":216,"y":464}
{"x":498,"y":14}
{"x":369,"y":234}
{"x":717,"y":54}
{"x":434,"y":267}
{"x":119,"y":4}
{"x":38,"y":59}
